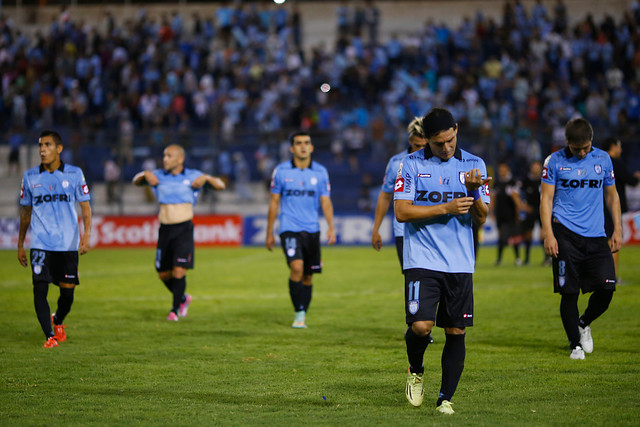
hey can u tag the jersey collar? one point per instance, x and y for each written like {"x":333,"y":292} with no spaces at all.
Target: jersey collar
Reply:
{"x":428,"y":154}
{"x":60,"y":168}
{"x":293,"y":165}
{"x":568,"y":154}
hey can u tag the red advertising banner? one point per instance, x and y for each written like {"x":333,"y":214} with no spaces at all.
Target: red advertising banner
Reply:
{"x":137,"y":231}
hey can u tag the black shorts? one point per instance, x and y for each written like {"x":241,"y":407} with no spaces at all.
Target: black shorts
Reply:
{"x":445,"y":298}
{"x":583,"y":263}
{"x":175,"y":246}
{"x":54,"y":267}
{"x":304,"y":246}
{"x":529,"y":222}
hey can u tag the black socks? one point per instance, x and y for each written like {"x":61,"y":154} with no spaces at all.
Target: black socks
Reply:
{"x":178,"y":287}
{"x":569,"y":316}
{"x":40,"y":290}
{"x":416,"y":346}
{"x":452,"y":362}
{"x":64,"y":304}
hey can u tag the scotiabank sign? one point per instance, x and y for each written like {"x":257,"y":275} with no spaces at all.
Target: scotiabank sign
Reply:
{"x":119,"y":231}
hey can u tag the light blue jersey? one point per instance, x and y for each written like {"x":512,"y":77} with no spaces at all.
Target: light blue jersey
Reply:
{"x":387,"y":186}
{"x":444,"y":243}
{"x":300,"y":191}
{"x":174,"y":189}
{"x":579,"y":185}
{"x":53,"y":197}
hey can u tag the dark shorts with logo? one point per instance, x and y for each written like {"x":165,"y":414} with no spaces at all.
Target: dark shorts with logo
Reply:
{"x":583,"y":263}
{"x":305,"y":246}
{"x":445,"y":298}
{"x":175,"y":246}
{"x":54,"y":267}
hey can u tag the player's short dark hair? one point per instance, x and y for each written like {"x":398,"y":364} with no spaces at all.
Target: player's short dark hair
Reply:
{"x":436,"y":120}
{"x":53,"y":134}
{"x":578,"y":131}
{"x":609,"y":142}
{"x":293,"y":135}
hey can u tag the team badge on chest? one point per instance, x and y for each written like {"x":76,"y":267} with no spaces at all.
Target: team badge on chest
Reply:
{"x":461,"y":177}
{"x":598,"y":169}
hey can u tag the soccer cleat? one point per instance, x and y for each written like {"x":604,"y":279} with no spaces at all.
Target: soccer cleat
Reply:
{"x":415,"y":388}
{"x":585,"y":339}
{"x":299,"y":322}
{"x":184,"y":307}
{"x":51,"y":342}
{"x":59,"y":332}
{"x":445,"y":408}
{"x":577,"y":353}
{"x":172,"y":317}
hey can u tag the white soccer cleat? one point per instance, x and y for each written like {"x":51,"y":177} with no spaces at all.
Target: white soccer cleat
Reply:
{"x":585,"y":339}
{"x":445,"y":408}
{"x":414,"y":389}
{"x":577,"y":353}
{"x":300,"y":320}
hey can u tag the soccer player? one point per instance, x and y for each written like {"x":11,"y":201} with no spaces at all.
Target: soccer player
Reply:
{"x":506,"y":208}
{"x":298,"y":187}
{"x":177,"y":189}
{"x":572,"y":217}
{"x":48,"y":198}
{"x":416,"y":142}
{"x":530,"y":188}
{"x":439,"y":192}
{"x":613,"y":147}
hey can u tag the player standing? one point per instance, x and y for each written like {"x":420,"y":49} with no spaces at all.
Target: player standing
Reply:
{"x":439,"y":192}
{"x":48,"y":198}
{"x":416,"y":142}
{"x":299,"y":187}
{"x":572,"y":217}
{"x":177,"y":189}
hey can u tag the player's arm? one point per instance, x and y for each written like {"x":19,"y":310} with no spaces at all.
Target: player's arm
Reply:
{"x":213,"y":181}
{"x":274,"y":203}
{"x":327,"y":211}
{"x":25,"y":222}
{"x":406,"y":211}
{"x":474,"y":182}
{"x":382,"y":206}
{"x":85,"y":240}
{"x":145,"y":177}
{"x":546,"y":211}
{"x":613,"y":203}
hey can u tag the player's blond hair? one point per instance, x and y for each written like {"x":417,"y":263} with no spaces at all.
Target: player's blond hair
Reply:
{"x":415,"y":128}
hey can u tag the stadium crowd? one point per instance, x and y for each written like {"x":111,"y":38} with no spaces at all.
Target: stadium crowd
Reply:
{"x":512,"y":83}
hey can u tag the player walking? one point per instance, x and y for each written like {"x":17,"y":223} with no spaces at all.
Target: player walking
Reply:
{"x":439,"y":192}
{"x":299,"y":187}
{"x":48,"y":198}
{"x":572,"y":217}
{"x":177,"y":189}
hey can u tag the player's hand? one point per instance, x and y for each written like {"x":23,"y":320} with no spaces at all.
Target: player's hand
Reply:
{"x":551,"y":245}
{"x":459,"y":206}
{"x":84,"y":244}
{"x":473,"y":179}
{"x":22,"y":257}
{"x":615,"y":242}
{"x":376,"y":240}
{"x":217,"y":183}
{"x":270,"y":242}
{"x":331,"y":236}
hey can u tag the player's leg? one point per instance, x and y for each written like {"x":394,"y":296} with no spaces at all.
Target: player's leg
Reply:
{"x":422,"y":293}
{"x":455,"y":313}
{"x":312,"y":264}
{"x":292,"y":247}
{"x":41,"y":277}
{"x":65,"y":274}
{"x":503,"y":237}
{"x":600,"y":267}
{"x":566,"y":282}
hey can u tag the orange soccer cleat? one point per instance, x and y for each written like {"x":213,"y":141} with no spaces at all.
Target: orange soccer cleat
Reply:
{"x":51,"y":342}
{"x":58,"y":330}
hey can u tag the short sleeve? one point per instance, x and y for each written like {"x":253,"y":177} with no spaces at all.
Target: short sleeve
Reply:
{"x":389,"y":177}
{"x":548,"y":170}
{"x":325,"y":187}
{"x":404,"y":188}
{"x":276,"y":184}
{"x":82,"y":189}
{"x":609,"y":177}
{"x":25,"y":192}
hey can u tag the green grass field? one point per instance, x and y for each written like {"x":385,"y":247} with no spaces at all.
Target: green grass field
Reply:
{"x":236,"y":361}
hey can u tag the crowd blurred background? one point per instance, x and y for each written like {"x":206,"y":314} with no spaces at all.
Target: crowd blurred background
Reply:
{"x":231,"y":84}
